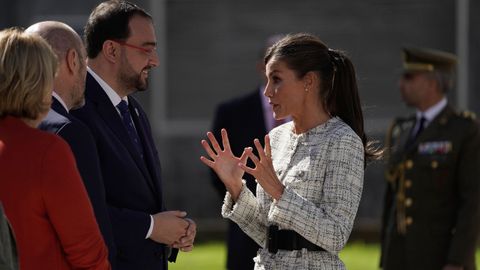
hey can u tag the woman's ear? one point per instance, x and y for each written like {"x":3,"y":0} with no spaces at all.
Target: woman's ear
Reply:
{"x":310,"y":80}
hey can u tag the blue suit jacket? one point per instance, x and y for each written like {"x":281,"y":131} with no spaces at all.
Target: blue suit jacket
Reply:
{"x":81,"y":141}
{"x":132,"y":184}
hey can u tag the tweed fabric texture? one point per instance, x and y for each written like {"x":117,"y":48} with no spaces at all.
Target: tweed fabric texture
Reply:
{"x":322,"y":170}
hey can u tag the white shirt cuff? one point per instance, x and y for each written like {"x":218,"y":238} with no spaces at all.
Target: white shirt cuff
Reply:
{"x":149,"y":233}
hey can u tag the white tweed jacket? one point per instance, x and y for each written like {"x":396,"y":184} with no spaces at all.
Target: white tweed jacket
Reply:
{"x":322,"y":170}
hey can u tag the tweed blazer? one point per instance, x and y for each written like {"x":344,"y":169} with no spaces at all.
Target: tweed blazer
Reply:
{"x":322,"y":170}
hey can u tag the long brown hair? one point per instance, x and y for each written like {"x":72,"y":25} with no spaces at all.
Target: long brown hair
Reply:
{"x":338,"y":83}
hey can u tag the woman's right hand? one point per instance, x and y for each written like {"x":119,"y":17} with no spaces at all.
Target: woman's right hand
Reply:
{"x":224,"y":163}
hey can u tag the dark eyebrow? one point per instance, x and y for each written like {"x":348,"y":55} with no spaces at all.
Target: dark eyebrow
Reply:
{"x":274,"y":71}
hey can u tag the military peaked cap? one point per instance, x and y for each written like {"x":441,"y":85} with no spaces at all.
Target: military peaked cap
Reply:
{"x":425,"y":59}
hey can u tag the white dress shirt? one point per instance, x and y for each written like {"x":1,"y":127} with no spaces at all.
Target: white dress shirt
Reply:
{"x":429,"y":114}
{"x":55,"y":95}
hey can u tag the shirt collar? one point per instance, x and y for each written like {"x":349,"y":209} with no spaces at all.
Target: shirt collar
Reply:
{"x":112,"y":95}
{"x":55,"y":95}
{"x":433,"y":111}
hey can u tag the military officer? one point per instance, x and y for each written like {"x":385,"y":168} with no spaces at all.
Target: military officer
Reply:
{"x":431,"y":211}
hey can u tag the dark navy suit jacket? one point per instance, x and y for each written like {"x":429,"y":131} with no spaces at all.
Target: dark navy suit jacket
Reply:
{"x":132,"y":183}
{"x":81,"y":141}
{"x":244,"y":120}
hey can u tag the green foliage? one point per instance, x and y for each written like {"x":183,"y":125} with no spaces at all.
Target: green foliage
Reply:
{"x":212,"y":256}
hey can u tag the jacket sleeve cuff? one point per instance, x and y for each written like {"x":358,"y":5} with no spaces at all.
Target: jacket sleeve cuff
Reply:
{"x":281,"y":209}
{"x":229,"y":205}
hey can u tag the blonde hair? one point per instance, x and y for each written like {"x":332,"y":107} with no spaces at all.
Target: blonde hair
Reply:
{"x":27,"y":70}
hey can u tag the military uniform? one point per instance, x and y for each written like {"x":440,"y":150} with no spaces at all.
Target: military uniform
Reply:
{"x":431,"y":211}
{"x":431,"y":215}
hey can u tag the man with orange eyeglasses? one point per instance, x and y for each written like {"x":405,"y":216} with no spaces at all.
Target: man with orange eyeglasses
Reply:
{"x":121,"y":48}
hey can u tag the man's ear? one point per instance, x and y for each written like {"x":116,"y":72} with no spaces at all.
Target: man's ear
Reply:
{"x":110,"y":51}
{"x":72,"y":60}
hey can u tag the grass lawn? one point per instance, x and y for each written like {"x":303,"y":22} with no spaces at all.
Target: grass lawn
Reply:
{"x":205,"y":256}
{"x":211,"y":256}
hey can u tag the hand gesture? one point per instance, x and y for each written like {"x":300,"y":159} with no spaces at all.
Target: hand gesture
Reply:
{"x":224,"y":163}
{"x":264,"y":171}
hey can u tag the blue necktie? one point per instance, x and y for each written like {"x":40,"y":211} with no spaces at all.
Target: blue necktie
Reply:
{"x":127,"y":121}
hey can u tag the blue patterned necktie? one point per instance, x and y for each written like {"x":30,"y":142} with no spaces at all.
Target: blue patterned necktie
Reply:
{"x":127,"y":121}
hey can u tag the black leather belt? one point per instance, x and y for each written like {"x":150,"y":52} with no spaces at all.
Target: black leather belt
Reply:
{"x":288,"y":240}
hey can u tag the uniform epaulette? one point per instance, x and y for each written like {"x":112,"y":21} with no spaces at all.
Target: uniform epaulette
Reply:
{"x":394,"y":127}
{"x":398,"y":121}
{"x":398,"y":124}
{"x":468,"y":115}
{"x":393,"y":131}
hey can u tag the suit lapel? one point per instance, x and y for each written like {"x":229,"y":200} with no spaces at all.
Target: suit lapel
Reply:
{"x":112,"y":119}
{"x":407,"y":125}
{"x":144,"y":135}
{"x":58,"y":107}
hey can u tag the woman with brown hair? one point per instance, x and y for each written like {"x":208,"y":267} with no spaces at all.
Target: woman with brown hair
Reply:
{"x":310,"y":173}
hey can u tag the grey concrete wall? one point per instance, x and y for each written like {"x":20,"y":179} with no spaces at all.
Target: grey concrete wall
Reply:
{"x":26,"y":12}
{"x":214,"y":44}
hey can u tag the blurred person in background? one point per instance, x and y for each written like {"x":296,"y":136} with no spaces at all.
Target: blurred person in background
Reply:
{"x":246,"y":117}
{"x":68,"y":93}
{"x":310,"y":172}
{"x":431,"y":210}
{"x":40,"y":187}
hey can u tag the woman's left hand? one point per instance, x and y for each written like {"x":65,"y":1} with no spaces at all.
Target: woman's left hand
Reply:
{"x":264,"y":171}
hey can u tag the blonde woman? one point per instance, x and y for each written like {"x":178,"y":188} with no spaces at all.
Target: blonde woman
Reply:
{"x":40,"y":188}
